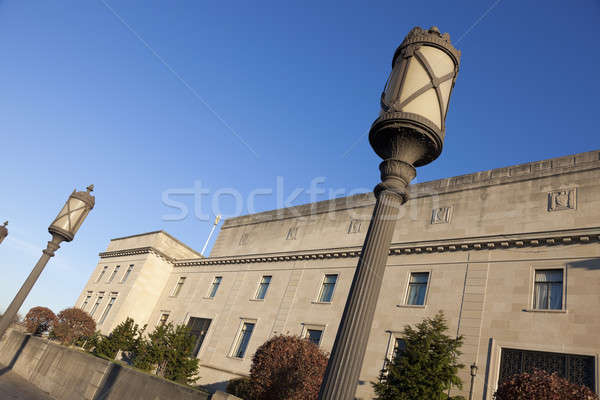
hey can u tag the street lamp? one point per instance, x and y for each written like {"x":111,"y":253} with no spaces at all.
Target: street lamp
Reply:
{"x":63,"y":228}
{"x":409,"y":133}
{"x":3,"y":231}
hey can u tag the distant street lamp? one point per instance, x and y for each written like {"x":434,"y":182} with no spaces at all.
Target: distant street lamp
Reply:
{"x":3,"y":231}
{"x":63,"y":228}
{"x":409,"y":133}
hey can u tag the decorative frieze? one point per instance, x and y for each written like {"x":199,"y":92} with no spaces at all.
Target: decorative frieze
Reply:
{"x":563,"y":199}
{"x":354,"y":226}
{"x":441,"y":215}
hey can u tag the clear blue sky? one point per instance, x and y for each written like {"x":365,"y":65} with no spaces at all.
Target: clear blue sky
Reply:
{"x":142,"y":97}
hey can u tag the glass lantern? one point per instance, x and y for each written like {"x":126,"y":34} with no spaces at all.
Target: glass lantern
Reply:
{"x":72,"y":215}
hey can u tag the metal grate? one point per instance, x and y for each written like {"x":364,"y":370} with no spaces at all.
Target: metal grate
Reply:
{"x":577,"y":369}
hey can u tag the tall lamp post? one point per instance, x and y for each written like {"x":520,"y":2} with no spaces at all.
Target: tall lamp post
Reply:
{"x":63,"y":229}
{"x":3,"y":231}
{"x":409,"y":133}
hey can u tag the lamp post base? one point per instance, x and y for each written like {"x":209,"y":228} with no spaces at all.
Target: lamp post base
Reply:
{"x":17,"y":302}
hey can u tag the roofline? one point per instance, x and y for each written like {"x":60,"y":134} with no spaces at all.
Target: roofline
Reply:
{"x":163,"y":232}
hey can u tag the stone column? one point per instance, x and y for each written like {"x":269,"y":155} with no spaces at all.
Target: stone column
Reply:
{"x":17,"y":302}
{"x":345,"y":363}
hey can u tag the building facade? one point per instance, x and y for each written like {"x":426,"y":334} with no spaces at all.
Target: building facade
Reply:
{"x":511,"y":256}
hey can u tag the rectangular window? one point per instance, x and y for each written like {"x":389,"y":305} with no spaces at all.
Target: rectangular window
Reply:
{"x":243,"y":340}
{"x":417,"y":288}
{"x":127,"y":273}
{"x":114,"y":273}
{"x":198,"y":329}
{"x":548,"y":289}
{"x":113,"y":298}
{"x":215,"y":286}
{"x":263,"y":287}
{"x":327,"y":289}
{"x":102,"y":273}
{"x":97,"y":303}
{"x":163,"y":318}
{"x":87,"y":299}
{"x":178,"y":286}
{"x":399,"y":347}
{"x":314,"y":335}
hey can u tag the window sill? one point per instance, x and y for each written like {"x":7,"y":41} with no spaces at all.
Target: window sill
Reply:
{"x":259,"y":300}
{"x":411,"y":305}
{"x":235,"y":358}
{"x":321,"y":302}
{"x":533,"y":310}
{"x":208,"y":298}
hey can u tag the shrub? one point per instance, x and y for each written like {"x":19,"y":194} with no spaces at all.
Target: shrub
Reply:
{"x":39,"y":320}
{"x":286,"y":367}
{"x":540,"y":385}
{"x":73,"y":324}
{"x":122,"y":338}
{"x":168,"y":350}
{"x":239,"y":387}
{"x":426,"y":367}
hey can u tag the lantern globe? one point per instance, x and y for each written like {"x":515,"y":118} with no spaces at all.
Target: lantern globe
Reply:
{"x":69,"y":219}
{"x":414,"y":103}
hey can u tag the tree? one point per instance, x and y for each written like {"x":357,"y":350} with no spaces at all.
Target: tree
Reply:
{"x":540,"y":385}
{"x":425,"y":367}
{"x":124,"y":337}
{"x":168,"y":350}
{"x":284,"y":368}
{"x":73,"y":324}
{"x":39,"y":320}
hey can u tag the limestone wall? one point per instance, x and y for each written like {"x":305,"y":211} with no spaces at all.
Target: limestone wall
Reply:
{"x":68,"y":374}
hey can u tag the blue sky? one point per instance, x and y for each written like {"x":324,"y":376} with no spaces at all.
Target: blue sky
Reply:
{"x":144,"y":98}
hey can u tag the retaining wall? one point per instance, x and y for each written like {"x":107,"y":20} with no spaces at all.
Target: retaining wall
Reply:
{"x":69,"y":374}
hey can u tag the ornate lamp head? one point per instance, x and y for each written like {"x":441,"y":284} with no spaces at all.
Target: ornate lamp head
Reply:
{"x":3,"y":231}
{"x":411,"y":125}
{"x":72,"y":215}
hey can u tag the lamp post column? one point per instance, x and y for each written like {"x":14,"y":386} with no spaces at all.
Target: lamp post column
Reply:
{"x":3,"y":231}
{"x":17,"y":302}
{"x":409,"y":133}
{"x":346,"y":359}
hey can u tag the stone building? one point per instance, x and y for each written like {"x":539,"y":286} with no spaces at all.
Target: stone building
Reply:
{"x":510,"y":255}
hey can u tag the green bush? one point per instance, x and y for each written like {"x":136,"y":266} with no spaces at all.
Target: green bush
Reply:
{"x":124,"y":337}
{"x":239,"y":387}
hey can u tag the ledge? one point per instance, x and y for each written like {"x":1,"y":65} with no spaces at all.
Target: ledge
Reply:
{"x":411,"y":306}
{"x":533,"y":310}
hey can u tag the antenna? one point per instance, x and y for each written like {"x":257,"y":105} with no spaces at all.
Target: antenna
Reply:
{"x":217,"y":219}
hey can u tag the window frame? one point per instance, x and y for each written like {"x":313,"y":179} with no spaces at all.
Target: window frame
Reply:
{"x":210,"y":294}
{"x":127,"y":273}
{"x":316,"y":327}
{"x":391,"y":346}
{"x":322,"y":286}
{"x":408,"y":285}
{"x":86,"y":299}
{"x":178,"y":286}
{"x":112,"y":299}
{"x":162,"y":313}
{"x":113,"y":274}
{"x":563,"y":308}
{"x":238,"y":338}
{"x":97,"y":303}
{"x":101,"y":275}
{"x":260,"y":283}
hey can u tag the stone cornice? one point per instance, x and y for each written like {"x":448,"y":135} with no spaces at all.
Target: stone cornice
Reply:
{"x":535,"y":239}
{"x":136,"y":251}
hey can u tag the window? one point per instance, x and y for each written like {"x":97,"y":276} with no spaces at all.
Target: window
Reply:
{"x":178,"y":286}
{"x":548,"y":289}
{"x":354,"y":226}
{"x":97,"y":303}
{"x":327,"y":289}
{"x":86,"y":300}
{"x":112,"y":276}
{"x":314,"y":335}
{"x":163,"y":319}
{"x":263,"y":286}
{"x":399,"y":346}
{"x":102,"y":273}
{"x":417,"y":288}
{"x":113,"y":298}
{"x":127,"y":273}
{"x":243,"y":340}
{"x":198,"y":329}
{"x":215,"y":286}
